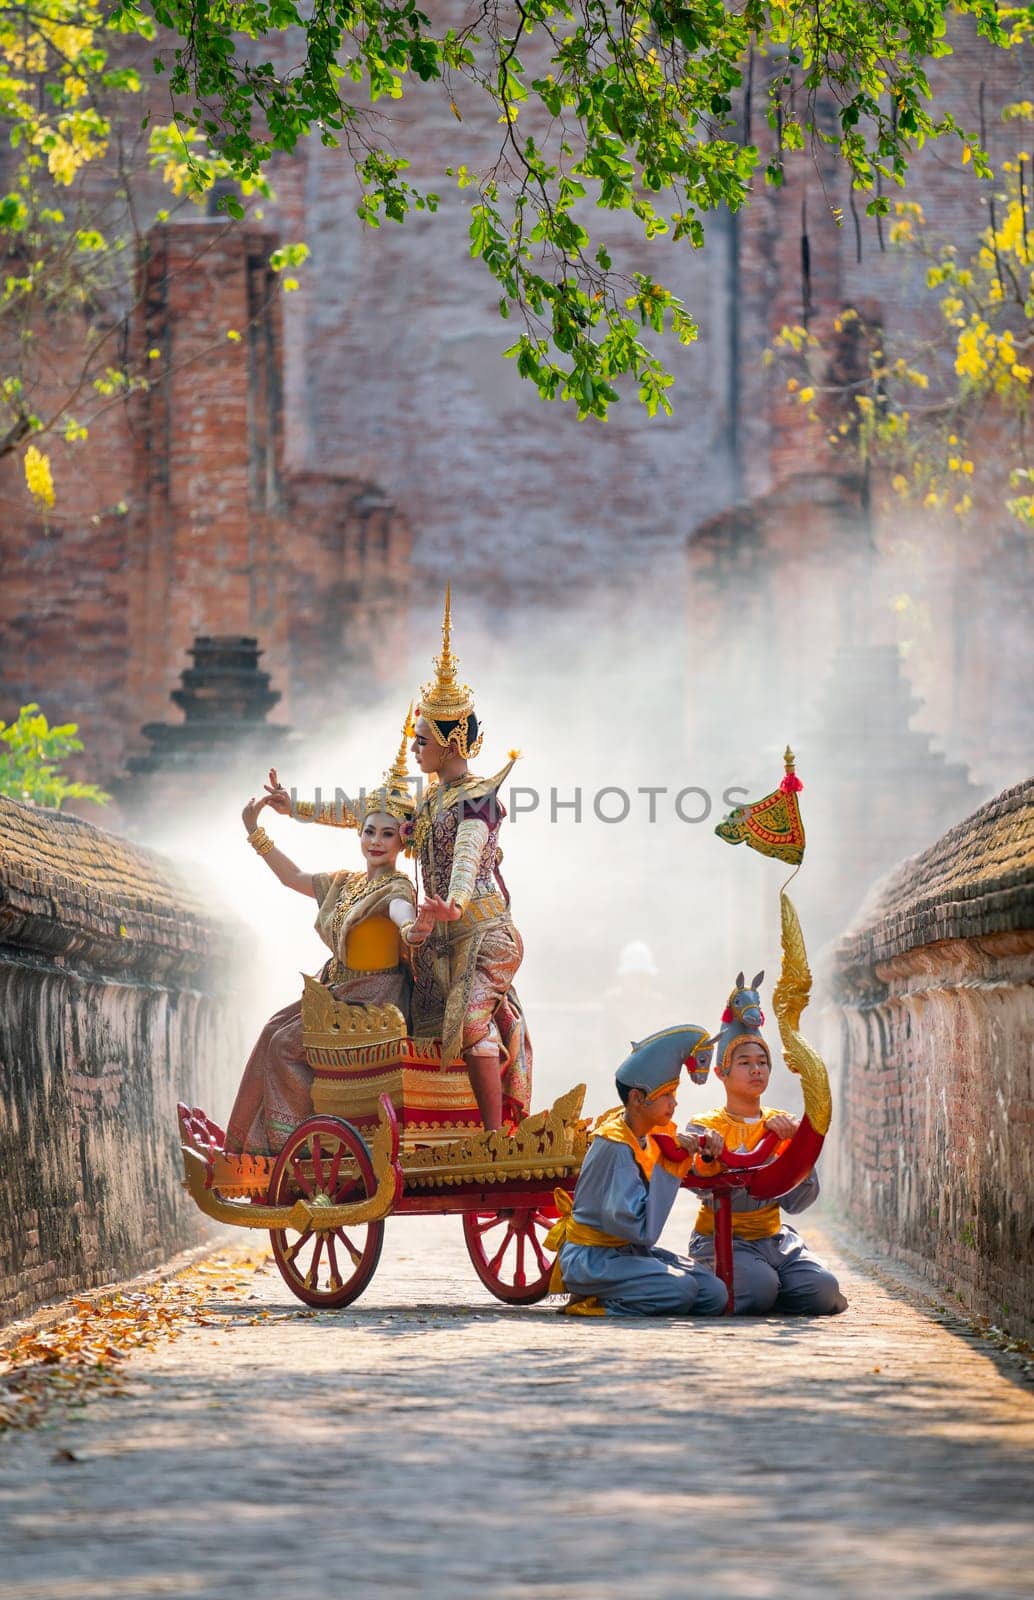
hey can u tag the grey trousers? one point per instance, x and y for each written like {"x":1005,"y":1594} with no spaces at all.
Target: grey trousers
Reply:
{"x":638,"y":1282}
{"x":776,"y":1274}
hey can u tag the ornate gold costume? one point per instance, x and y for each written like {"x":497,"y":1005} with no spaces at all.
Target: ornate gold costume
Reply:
{"x":463,"y":976}
{"x":391,"y":797}
{"x":354,"y":920}
{"x":444,"y":699}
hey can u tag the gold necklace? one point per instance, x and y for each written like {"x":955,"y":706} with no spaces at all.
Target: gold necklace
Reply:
{"x":350,"y":896}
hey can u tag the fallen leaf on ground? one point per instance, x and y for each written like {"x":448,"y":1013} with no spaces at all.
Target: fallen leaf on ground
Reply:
{"x":85,"y":1352}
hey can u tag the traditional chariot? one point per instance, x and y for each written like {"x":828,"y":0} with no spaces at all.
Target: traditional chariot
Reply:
{"x":413,"y":1120}
{"x":395,"y":1132}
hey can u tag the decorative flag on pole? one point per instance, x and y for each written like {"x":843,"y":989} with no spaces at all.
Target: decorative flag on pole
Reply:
{"x":772,"y":825}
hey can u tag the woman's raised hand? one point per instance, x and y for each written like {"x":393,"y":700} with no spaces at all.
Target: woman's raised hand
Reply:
{"x":442,"y":910}
{"x":250,"y":814}
{"x":276,"y":795}
{"x":423,"y":924}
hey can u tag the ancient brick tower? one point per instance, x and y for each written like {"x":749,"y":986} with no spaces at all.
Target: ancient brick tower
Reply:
{"x":202,"y":529}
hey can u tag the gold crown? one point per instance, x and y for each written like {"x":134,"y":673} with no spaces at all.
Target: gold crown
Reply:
{"x":445,"y":699}
{"x":392,"y":795}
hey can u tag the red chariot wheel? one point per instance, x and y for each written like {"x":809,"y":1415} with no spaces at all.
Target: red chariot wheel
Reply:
{"x":507,"y":1251}
{"x":327,"y":1161}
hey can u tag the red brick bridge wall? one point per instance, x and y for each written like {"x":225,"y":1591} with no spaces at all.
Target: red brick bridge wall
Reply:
{"x":936,"y":1073}
{"x":114,"y":1004}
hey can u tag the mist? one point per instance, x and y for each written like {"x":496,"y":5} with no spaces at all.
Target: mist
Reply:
{"x":634,"y":744}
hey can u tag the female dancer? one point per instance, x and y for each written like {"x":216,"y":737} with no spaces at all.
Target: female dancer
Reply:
{"x":362,"y":918}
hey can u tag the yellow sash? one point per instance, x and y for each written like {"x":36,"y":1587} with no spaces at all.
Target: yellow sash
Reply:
{"x":566,"y":1230}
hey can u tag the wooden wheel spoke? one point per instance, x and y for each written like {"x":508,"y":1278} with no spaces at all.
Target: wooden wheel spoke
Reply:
{"x":335,"y":1275}
{"x":312,"y":1277}
{"x":493,"y":1265}
{"x":317,"y":1161}
{"x":545,"y":1265}
{"x":335,"y":1168}
{"x":299,"y":1176}
{"x":291,"y":1253}
{"x":519,"y":1279}
{"x":489,"y":1223}
{"x":357,"y":1255}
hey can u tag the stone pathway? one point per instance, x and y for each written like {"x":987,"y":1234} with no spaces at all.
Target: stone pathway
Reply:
{"x":428,"y":1442}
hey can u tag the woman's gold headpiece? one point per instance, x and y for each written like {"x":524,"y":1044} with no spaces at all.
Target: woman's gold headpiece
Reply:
{"x":445,"y":699}
{"x":392,"y":795}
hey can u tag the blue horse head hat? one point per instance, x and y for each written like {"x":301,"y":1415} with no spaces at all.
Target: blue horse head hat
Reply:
{"x":655,"y":1063}
{"x":742,"y":1021}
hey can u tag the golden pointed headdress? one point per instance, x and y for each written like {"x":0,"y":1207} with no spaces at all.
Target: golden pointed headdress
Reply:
{"x":445,"y":699}
{"x":392,"y":795}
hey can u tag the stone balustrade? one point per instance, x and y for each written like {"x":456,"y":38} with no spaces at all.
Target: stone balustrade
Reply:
{"x":116,"y":1000}
{"x":934,"y":990}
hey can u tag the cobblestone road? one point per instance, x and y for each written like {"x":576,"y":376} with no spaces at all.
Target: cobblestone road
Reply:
{"x":429,"y":1442}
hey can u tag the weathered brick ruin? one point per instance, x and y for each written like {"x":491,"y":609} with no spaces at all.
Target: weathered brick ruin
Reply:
{"x":116,"y":1000}
{"x":935,"y":1091}
{"x":269,"y":483}
{"x":202,"y":528}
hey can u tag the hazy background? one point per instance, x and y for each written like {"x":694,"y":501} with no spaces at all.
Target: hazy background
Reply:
{"x":609,"y":696}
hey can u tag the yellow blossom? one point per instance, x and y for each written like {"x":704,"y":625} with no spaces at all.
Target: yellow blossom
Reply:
{"x":971,"y":355}
{"x":806,"y":396}
{"x":38,"y":476}
{"x":899,"y":483}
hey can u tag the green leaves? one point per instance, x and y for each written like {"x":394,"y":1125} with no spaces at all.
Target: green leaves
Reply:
{"x":31,"y":755}
{"x":637,"y":108}
{"x":600,"y":108}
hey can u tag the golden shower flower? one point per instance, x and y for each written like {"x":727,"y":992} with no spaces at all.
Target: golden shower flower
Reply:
{"x":38,"y":476}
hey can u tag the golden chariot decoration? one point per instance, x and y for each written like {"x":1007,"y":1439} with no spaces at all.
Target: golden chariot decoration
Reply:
{"x":360,"y":1052}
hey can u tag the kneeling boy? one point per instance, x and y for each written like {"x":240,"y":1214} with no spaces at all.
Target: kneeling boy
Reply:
{"x":772,"y":1268}
{"x":608,"y":1260}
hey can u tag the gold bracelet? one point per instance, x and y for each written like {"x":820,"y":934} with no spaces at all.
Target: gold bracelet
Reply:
{"x":261,"y":842}
{"x":414,"y":944}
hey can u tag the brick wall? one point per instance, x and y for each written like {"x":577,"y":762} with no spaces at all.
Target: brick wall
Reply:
{"x":202,"y":527}
{"x":115,"y":1001}
{"x":935,"y":1066}
{"x":270,"y":485}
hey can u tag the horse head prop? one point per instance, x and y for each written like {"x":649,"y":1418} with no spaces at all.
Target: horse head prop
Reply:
{"x":744,"y":1004}
{"x":698,"y":1063}
{"x":742,"y":1019}
{"x":697,"y":1044}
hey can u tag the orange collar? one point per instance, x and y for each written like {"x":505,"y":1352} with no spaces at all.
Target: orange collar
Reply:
{"x":612,"y":1126}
